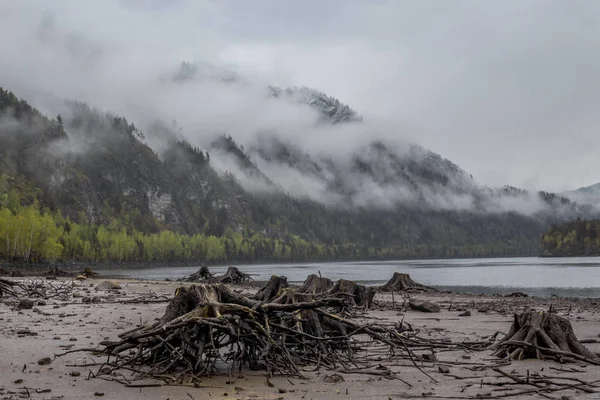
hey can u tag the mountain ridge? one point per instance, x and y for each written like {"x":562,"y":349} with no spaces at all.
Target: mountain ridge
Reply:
{"x":182,"y":190}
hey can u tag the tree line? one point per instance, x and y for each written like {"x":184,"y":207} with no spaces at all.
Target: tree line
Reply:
{"x":576,"y":238}
{"x":32,"y":234}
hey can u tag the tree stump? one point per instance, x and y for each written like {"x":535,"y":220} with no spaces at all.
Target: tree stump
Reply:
{"x":272,"y":289}
{"x":209,"y":325}
{"x":403,"y":282}
{"x":88,"y":273}
{"x":315,"y":285}
{"x":354,"y":295}
{"x":202,"y":275}
{"x":541,"y":335}
{"x":235,"y":276}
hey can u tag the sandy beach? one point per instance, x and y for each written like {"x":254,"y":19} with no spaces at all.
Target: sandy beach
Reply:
{"x":29,"y":335}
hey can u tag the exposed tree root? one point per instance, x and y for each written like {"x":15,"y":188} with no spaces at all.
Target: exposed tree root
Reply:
{"x":6,"y":288}
{"x":542,"y":335}
{"x":37,"y":289}
{"x":403,"y":282}
{"x":209,"y":328}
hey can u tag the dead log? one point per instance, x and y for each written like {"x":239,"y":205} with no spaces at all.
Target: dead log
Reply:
{"x":235,"y":276}
{"x":272,"y":289}
{"x":403,"y":282}
{"x":542,"y":335}
{"x":202,"y":275}
{"x":354,"y":294}
{"x":315,"y":284}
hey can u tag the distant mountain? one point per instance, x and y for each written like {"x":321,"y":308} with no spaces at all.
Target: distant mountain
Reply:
{"x":585,"y":195}
{"x":381,"y":195}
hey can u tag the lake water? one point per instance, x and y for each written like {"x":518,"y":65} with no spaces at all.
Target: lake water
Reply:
{"x":573,"y":277}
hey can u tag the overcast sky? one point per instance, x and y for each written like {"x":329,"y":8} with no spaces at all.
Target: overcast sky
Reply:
{"x":509,"y":90}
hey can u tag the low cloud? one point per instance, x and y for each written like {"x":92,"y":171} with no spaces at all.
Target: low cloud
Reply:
{"x":479,"y":83}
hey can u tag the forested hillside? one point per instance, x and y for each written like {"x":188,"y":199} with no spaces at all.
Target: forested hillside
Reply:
{"x":86,"y":186}
{"x":576,"y":238}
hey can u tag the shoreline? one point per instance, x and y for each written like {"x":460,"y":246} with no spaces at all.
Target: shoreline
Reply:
{"x":74,"y":265}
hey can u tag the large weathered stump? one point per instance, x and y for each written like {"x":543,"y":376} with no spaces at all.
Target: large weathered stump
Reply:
{"x":272,"y":289}
{"x":403,"y":282}
{"x":352,"y":293}
{"x":235,"y":276}
{"x":541,"y":335}
{"x":315,"y":285}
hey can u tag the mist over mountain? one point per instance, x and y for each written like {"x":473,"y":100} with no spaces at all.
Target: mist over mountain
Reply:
{"x":585,"y":195}
{"x":279,"y":161}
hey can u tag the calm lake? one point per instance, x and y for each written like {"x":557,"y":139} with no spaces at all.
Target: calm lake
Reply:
{"x":574,"y":277}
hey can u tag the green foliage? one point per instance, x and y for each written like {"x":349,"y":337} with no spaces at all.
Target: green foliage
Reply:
{"x":576,"y":238}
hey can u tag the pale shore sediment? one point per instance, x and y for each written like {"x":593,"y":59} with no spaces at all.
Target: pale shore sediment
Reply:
{"x":59,"y":326}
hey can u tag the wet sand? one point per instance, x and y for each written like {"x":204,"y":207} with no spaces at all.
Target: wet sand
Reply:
{"x":60,"y":326}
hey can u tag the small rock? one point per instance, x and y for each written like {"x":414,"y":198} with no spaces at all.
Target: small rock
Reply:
{"x":108,"y":285}
{"x":466,"y":357}
{"x":333,"y":378}
{"x":465,"y":314}
{"x":56,"y":338}
{"x":94,"y":299}
{"x":99,"y":394}
{"x":81,"y":277}
{"x":18,"y":381}
{"x":73,"y":339}
{"x":517,"y":294}
{"x":44,"y":361}
{"x":41,"y":303}
{"x":282,"y":390}
{"x":443,"y":369}
{"x":424,"y":306}
{"x":75,"y":373}
{"x":25,"y":304}
{"x":429,"y":357}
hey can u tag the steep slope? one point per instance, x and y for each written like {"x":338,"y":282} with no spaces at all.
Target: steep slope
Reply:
{"x":398,"y":202}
